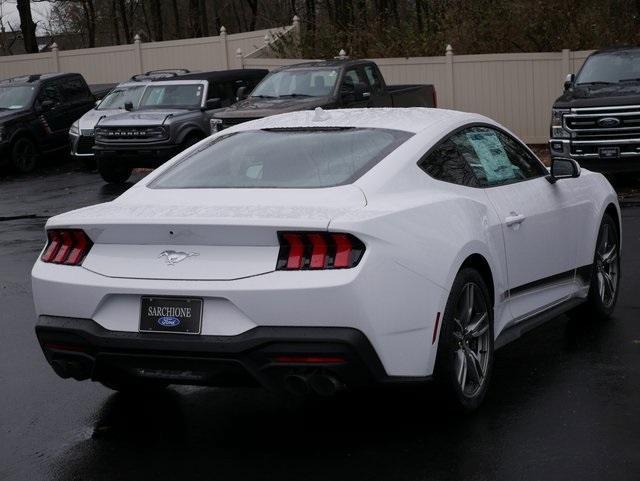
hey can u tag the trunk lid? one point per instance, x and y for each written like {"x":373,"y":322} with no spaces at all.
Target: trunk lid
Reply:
{"x":201,"y":234}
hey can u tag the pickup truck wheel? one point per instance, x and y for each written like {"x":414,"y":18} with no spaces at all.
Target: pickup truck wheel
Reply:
{"x":113,"y":172}
{"x":24,"y":155}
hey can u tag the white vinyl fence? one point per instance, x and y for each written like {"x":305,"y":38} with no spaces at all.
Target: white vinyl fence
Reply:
{"x":516,"y":89}
{"x":115,"y":64}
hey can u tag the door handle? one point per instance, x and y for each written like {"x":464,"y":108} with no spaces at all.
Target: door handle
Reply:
{"x":514,"y":220}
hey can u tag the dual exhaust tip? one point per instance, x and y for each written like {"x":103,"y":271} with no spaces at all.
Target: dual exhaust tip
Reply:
{"x":319,"y":383}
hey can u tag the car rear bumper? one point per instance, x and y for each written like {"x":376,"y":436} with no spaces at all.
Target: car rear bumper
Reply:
{"x":263,"y":356}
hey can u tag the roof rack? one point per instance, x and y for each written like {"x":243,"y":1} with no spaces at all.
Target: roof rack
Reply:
{"x":22,"y":79}
{"x":159,"y":74}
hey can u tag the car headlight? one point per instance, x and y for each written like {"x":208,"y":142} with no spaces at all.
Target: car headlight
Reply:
{"x":557,"y":124}
{"x":75,"y":128}
{"x":215,"y":125}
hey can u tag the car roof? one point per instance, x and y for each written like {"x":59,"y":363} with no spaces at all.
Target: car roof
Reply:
{"x":220,"y":75}
{"x":338,"y":62}
{"x":414,"y":120}
{"x":30,"y":79}
{"x":616,"y":49}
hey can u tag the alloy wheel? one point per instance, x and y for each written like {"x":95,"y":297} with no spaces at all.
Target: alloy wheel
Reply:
{"x":471,"y":331}
{"x":607,"y":267}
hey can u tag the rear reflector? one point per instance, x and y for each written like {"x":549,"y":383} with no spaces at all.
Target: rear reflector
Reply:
{"x":66,"y":246}
{"x":310,"y":359}
{"x":318,"y":250}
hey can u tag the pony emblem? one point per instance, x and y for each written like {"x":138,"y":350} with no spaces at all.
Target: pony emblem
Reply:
{"x":173,"y":257}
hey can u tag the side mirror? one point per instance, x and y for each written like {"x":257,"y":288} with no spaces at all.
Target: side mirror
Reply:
{"x":360,"y":92}
{"x":211,"y":104}
{"x":563,"y":168}
{"x":47,"y":105}
{"x":242,"y":92}
{"x":128,"y":106}
{"x":98,"y":102}
{"x":569,"y":81}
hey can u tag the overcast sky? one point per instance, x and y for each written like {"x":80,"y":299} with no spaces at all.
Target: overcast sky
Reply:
{"x":39,"y":11}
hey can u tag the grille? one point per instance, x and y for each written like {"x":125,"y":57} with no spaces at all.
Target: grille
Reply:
{"x":85,"y":145}
{"x":604,"y":124}
{"x":131,"y":133}
{"x":230,"y":122}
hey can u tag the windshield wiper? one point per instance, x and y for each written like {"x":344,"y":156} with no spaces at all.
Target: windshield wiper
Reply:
{"x":629,"y":80}
{"x":597,"y":82}
{"x":296,"y":95}
{"x":265,"y":96}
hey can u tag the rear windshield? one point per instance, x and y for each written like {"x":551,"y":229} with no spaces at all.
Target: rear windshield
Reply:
{"x":283,"y":158}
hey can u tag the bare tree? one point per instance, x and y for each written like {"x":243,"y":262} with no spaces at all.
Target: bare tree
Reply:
{"x":27,"y":26}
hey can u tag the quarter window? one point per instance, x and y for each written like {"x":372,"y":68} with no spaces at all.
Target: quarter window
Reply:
{"x":447,"y":164}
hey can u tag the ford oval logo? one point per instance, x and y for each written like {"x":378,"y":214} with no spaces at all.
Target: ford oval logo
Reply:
{"x":169,"y":321}
{"x":608,"y":122}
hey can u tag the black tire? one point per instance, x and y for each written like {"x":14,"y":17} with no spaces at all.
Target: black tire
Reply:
{"x":114,"y":172}
{"x":466,"y":347}
{"x":24,"y":155}
{"x":597,"y":306}
{"x":191,"y":139}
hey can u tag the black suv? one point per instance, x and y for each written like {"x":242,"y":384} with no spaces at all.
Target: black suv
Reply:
{"x":172,"y":115}
{"x":36,"y":112}
{"x":597,"y":119}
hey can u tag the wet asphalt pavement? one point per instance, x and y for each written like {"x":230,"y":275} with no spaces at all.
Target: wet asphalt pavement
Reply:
{"x":564,"y":402}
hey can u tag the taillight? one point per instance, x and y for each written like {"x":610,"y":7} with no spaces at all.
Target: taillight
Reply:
{"x":318,"y":250}
{"x":66,"y":246}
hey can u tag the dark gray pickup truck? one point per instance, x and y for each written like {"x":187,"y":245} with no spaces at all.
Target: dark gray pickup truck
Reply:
{"x":340,"y":83}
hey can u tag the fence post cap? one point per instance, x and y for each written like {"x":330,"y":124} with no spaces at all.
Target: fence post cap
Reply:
{"x":223,"y":30}
{"x":54,"y":46}
{"x":296,"y":19}
{"x":136,"y":38}
{"x":449,"y":49}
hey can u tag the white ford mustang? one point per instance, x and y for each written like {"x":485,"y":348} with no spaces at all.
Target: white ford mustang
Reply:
{"x":318,"y":250}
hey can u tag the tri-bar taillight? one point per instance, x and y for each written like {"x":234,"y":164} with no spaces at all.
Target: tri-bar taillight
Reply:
{"x":318,"y":250}
{"x":66,"y":246}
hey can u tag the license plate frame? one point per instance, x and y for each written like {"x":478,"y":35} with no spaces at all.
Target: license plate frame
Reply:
{"x":170,"y":315}
{"x":609,"y":152}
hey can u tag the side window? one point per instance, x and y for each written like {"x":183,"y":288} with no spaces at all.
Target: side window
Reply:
{"x":496,"y":158}
{"x":350,"y":79}
{"x":374,"y":78}
{"x":75,"y":89}
{"x":225,"y":91}
{"x":50,"y":91}
{"x":446,"y":163}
